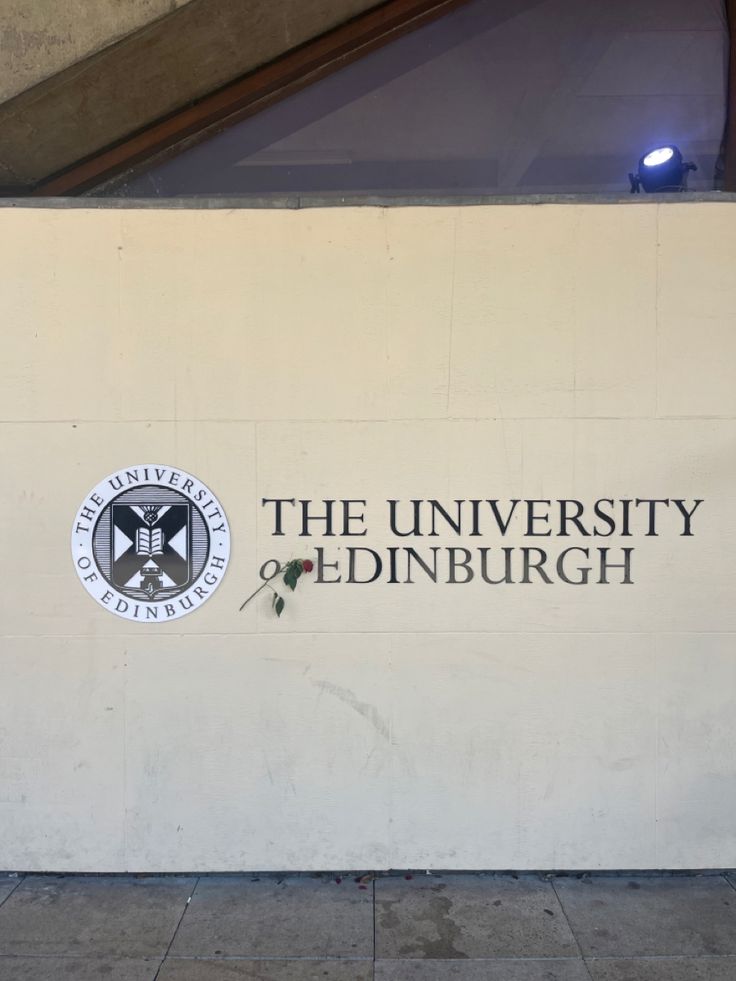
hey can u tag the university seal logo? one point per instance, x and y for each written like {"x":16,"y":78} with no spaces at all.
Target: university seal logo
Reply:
{"x":150,"y":543}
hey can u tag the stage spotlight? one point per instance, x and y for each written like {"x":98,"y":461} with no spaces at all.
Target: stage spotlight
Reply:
{"x":660,"y":170}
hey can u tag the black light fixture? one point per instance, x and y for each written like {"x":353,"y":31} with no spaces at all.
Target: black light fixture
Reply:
{"x":660,"y":170}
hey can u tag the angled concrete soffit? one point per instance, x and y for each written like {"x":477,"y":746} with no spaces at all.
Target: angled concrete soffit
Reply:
{"x":174,"y":64}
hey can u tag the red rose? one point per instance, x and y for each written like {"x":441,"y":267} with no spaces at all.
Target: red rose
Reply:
{"x":308,"y":565}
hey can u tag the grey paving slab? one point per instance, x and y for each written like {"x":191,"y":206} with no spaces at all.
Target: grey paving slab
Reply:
{"x":480,"y":916}
{"x":76,"y":915}
{"x":291,"y":917}
{"x":76,"y":969}
{"x":664,"y":969}
{"x":651,"y":915}
{"x":273,"y":970}
{"x":7,"y":885}
{"x":482,"y":970}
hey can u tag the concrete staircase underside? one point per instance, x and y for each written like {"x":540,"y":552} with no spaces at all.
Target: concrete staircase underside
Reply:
{"x":100,"y":76}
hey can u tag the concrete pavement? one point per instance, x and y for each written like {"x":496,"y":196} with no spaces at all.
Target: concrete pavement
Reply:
{"x":353,"y":927}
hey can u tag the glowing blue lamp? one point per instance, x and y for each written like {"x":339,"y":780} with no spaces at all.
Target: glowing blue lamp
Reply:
{"x":661,"y":170}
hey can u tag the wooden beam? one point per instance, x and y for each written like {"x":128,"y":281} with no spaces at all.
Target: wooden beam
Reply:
{"x":729,"y":176}
{"x":253,"y":92}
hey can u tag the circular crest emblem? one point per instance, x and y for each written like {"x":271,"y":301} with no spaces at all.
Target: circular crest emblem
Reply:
{"x":151,"y":543}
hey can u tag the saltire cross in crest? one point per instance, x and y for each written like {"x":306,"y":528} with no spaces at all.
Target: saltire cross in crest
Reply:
{"x":150,"y":547}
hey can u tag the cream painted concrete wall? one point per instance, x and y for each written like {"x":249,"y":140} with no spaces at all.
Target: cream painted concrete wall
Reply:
{"x":483,"y":352}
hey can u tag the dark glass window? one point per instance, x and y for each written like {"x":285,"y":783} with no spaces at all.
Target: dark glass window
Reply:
{"x":497,"y":97}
